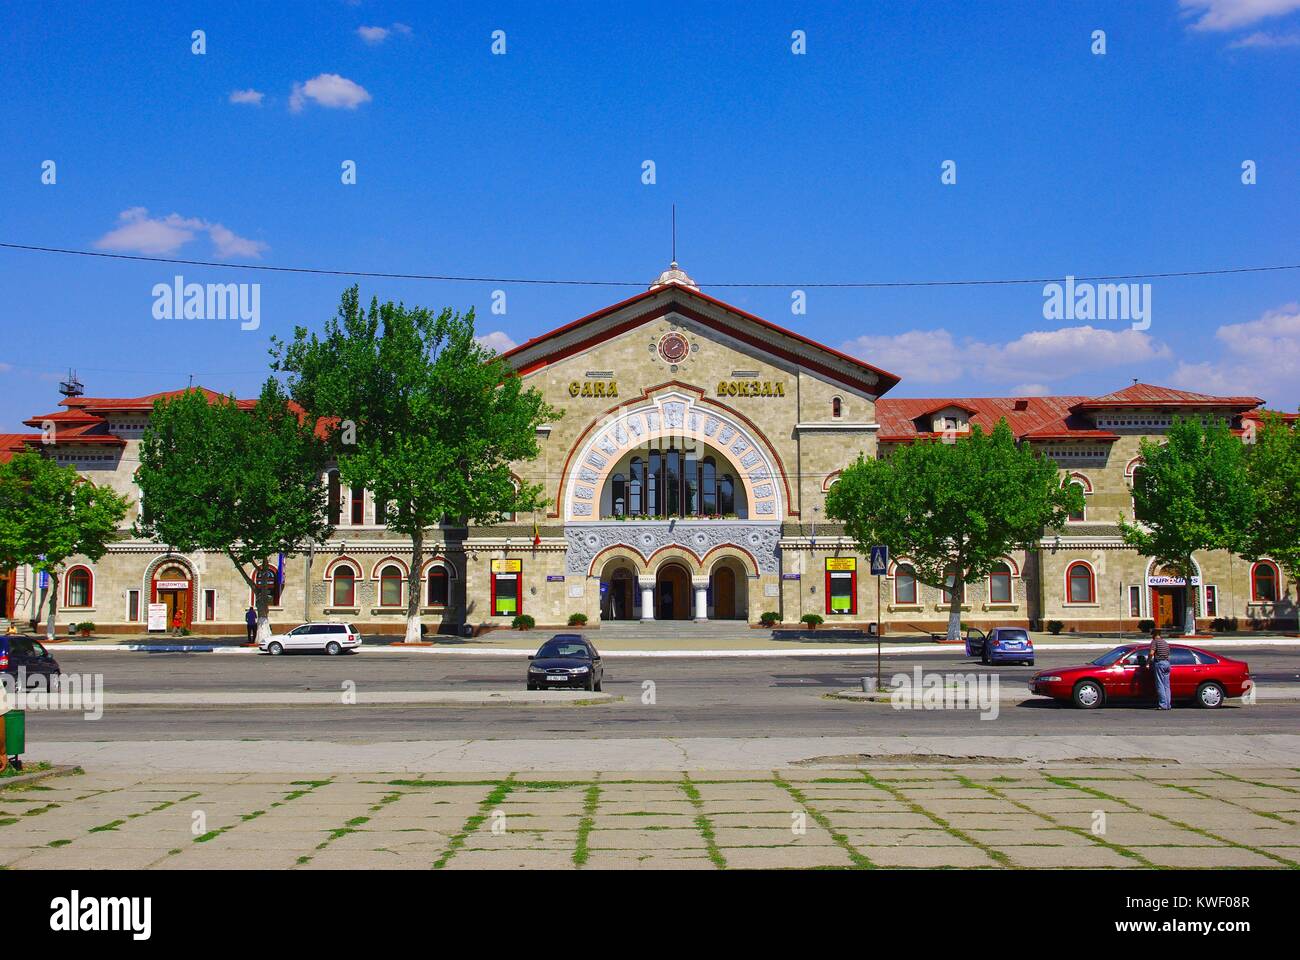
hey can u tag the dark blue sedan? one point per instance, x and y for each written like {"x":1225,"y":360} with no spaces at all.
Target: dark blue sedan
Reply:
{"x":566,"y":661}
{"x":1001,"y":645}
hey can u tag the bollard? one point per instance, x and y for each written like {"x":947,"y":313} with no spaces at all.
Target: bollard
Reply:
{"x":869,"y":685}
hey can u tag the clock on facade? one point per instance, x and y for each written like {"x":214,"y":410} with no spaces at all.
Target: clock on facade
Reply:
{"x":673,"y":347}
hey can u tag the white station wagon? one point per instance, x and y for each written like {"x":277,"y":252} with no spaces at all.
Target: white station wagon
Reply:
{"x":333,"y":638}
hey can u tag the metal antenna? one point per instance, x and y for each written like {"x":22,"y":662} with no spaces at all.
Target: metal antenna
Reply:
{"x":674,"y":233}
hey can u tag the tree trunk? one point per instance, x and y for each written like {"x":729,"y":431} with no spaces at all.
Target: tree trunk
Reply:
{"x":954,"y":612}
{"x":54,"y":602}
{"x":1189,"y":593}
{"x":413,"y":588}
{"x":263,"y":618}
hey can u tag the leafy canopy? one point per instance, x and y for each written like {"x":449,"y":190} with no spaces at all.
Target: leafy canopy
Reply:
{"x":48,"y":513}
{"x":1273,"y":471}
{"x":1191,"y":493}
{"x":215,"y":476}
{"x":952,"y":508}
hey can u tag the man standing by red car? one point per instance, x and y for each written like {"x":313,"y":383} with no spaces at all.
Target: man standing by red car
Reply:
{"x":1159,"y":657}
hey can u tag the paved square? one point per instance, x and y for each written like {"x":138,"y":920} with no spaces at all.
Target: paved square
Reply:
{"x":965,"y":817}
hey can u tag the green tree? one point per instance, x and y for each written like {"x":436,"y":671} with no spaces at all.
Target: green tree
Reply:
{"x":1190,"y":494}
{"x":422,"y":415}
{"x":952,"y":508}
{"x":1273,"y":472}
{"x":215,"y":475}
{"x":48,"y":514}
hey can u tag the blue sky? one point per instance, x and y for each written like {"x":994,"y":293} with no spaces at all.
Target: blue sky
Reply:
{"x":787,"y":168}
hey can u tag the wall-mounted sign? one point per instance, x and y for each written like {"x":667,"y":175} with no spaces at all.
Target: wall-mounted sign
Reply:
{"x":751,"y":388}
{"x":185,"y":584}
{"x":593,"y":388}
{"x":554,"y":578}
{"x":789,"y":576}
{"x":507,"y":566}
{"x":841,"y":563}
{"x":1171,"y":582}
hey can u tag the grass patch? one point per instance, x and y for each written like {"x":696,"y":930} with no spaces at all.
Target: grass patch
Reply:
{"x":703,"y":823}
{"x":500,"y":791}
{"x":859,"y":860}
{"x":581,"y":852}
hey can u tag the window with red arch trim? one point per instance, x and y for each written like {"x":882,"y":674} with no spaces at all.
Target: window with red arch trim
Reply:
{"x":1263,"y":582}
{"x":79,"y":588}
{"x":1080,"y":584}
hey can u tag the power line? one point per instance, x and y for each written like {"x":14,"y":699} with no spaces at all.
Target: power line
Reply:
{"x":857,"y":285}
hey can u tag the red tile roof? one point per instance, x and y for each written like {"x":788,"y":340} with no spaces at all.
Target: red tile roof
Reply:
{"x":11,"y":443}
{"x":1149,"y":395}
{"x":1047,"y":416}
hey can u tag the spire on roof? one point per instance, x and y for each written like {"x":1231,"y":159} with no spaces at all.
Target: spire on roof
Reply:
{"x":674,"y":274}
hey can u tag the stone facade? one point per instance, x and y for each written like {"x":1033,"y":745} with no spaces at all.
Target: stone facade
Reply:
{"x":751,"y":423}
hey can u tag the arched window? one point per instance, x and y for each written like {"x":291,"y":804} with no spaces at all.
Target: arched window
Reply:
{"x":358,"y":501}
{"x":438,"y":583}
{"x":708,"y":487}
{"x":335,"y":498}
{"x":726,"y":494}
{"x":618,"y":502}
{"x":904,"y":584}
{"x":345,"y":586}
{"x":1000,"y":583}
{"x":1138,"y":470}
{"x":390,"y":586}
{"x":837,"y":408}
{"x":80,"y":589}
{"x":1080,"y":585}
{"x":273,"y":590}
{"x":635,"y":486}
{"x":1263,"y":582}
{"x":1078,"y":516}
{"x":654,"y":467}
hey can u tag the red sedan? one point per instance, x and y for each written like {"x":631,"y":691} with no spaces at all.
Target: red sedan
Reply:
{"x":1123,"y":674}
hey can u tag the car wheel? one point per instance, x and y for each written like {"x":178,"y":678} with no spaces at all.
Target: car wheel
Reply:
{"x":275,"y":649}
{"x":591,"y":681}
{"x":532,"y":686}
{"x":984,"y":656}
{"x":1088,"y":695}
{"x":1209,"y":696}
{"x":600,"y":683}
{"x":333,"y":648}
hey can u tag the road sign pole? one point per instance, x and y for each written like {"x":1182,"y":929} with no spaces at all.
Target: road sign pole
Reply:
{"x":879,"y":627}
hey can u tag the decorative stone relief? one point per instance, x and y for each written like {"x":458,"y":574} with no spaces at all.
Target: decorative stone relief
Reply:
{"x":588,"y":540}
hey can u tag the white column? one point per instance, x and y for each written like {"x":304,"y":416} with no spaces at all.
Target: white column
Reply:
{"x":701,"y":585}
{"x":647,"y":585}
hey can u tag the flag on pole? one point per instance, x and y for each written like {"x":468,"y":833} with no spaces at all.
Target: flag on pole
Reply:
{"x":279,"y":571}
{"x":537,"y":537}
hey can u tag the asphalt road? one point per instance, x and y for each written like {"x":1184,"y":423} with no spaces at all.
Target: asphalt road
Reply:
{"x":724,"y":697}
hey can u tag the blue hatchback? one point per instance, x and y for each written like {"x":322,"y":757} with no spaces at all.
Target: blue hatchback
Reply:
{"x":1001,"y":645}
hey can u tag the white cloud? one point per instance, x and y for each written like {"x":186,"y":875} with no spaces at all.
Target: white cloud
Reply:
{"x":328,"y":90}
{"x":250,"y":95}
{"x":1266,"y":41}
{"x":1031,"y":390}
{"x":373,"y":35}
{"x":1262,"y":358}
{"x":1222,"y":15}
{"x":496,"y":340}
{"x":137,"y":232}
{"x":1031,"y":360}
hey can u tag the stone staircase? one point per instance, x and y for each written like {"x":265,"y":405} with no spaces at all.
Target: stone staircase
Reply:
{"x":686,"y":629}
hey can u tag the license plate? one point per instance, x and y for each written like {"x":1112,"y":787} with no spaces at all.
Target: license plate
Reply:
{"x":558,"y":679}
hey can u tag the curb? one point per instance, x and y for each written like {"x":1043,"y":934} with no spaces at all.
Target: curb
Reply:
{"x":58,"y":770}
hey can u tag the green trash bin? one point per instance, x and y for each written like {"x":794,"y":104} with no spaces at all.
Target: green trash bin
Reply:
{"x":15,"y":732}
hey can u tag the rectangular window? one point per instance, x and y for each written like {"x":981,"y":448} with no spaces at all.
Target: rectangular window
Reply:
{"x":1135,"y":601}
{"x":1211,"y":600}
{"x":133,"y":606}
{"x":841,"y":585}
{"x":507,"y":592}
{"x":358,"y":499}
{"x":209,"y":605}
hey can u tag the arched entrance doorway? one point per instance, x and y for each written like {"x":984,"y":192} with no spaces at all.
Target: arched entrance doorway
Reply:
{"x":619,"y":597}
{"x":728,"y":591}
{"x":173,"y":587}
{"x":673,"y":593}
{"x":1168,"y":598}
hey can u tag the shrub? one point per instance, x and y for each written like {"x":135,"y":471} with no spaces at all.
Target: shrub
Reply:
{"x":1055,"y":627}
{"x":523,"y":622}
{"x":1224,"y":625}
{"x":812,"y":619}
{"x":770,"y":618}
{"x":577,"y":619}
{"x":85,"y":628}
{"x":1146,"y":626}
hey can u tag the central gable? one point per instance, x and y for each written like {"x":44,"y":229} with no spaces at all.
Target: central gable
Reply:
{"x":749,"y":334}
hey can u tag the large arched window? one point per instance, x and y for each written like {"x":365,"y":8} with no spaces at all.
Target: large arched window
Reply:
{"x":390,"y":586}
{"x":635,"y":487}
{"x":726,"y":494}
{"x":1080,"y":585}
{"x":708,"y":487}
{"x":1263,"y":582}
{"x":344,"y":592}
{"x":1000,"y":583}
{"x":905,"y":584}
{"x":438,"y":586}
{"x":80,"y":588}
{"x":618,"y":503}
